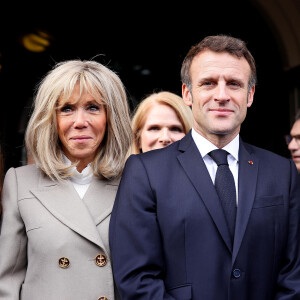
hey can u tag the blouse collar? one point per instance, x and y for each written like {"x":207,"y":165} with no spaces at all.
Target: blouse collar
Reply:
{"x":84,"y":177}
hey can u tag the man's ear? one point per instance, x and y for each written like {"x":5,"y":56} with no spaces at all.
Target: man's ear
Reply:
{"x":186,"y":95}
{"x":250,"y":96}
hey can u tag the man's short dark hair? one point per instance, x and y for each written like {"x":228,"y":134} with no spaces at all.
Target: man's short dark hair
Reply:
{"x":219,"y":44}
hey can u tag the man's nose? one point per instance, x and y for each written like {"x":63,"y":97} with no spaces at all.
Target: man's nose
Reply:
{"x":293,"y":145}
{"x":222,"y":92}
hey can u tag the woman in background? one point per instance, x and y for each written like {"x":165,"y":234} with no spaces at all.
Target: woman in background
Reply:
{"x":56,"y":212}
{"x":159,"y":120}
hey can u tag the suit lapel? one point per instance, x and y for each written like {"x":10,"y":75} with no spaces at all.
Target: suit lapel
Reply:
{"x":63,"y":202}
{"x":100,"y":197}
{"x":248,"y":171}
{"x":195,"y":168}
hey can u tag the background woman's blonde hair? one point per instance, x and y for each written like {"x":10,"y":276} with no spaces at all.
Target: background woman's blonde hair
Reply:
{"x":182,"y":111}
{"x":105,"y":86}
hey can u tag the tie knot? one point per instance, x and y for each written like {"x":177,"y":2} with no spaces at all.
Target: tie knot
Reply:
{"x":219,"y":156}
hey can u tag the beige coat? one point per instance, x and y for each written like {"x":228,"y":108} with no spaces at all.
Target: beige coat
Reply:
{"x":54,"y":245}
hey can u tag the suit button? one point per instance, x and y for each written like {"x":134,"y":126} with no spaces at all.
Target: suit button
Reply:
{"x":102,"y":298}
{"x":236,"y":273}
{"x":64,"y":262}
{"x":101,"y":261}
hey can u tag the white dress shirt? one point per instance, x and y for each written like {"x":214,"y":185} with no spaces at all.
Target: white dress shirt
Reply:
{"x":204,"y":146}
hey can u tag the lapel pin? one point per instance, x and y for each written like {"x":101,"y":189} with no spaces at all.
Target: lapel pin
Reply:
{"x":250,"y":162}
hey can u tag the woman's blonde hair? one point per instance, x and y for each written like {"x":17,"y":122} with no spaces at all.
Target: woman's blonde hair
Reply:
{"x":105,"y":86}
{"x":182,"y":111}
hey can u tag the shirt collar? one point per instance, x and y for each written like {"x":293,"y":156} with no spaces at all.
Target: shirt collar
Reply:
{"x":84,"y":177}
{"x":205,"y":146}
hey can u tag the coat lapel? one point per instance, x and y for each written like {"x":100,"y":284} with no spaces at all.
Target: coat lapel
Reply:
{"x":63,"y":202}
{"x":100,"y":197}
{"x":248,"y":171}
{"x":195,"y":168}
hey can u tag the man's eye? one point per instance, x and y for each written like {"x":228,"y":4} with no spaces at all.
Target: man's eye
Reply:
{"x":234,"y":84}
{"x":207,"y":83}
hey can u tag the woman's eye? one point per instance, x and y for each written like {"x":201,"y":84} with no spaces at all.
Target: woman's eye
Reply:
{"x":66,"y":108}
{"x":176,"y":128}
{"x":153,"y":128}
{"x":94,"y":107}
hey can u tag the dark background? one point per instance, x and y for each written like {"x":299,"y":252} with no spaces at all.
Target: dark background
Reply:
{"x":145,"y":44}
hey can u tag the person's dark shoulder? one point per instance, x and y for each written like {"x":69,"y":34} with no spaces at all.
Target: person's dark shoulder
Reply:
{"x":161,"y":154}
{"x":156,"y":159}
{"x":262,"y":152}
{"x":267,"y":157}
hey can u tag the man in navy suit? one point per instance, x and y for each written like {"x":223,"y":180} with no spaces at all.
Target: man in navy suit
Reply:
{"x":169,"y":235}
{"x":293,"y":141}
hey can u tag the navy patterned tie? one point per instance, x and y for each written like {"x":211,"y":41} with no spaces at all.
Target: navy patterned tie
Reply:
{"x":224,"y":184}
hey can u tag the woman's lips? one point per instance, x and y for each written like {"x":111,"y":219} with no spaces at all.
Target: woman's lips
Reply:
{"x":80,"y":139}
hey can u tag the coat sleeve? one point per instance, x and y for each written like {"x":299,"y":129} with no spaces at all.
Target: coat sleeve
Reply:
{"x":13,"y":241}
{"x":136,"y":247}
{"x":288,"y":284}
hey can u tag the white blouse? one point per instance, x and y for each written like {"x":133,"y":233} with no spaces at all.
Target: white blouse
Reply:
{"x":81,"y":181}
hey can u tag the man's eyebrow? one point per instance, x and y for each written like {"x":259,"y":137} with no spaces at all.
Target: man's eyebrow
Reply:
{"x":206,"y":78}
{"x":233,"y":78}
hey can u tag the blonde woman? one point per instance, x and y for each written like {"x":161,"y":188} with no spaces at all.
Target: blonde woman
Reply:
{"x":56,"y":212}
{"x":159,"y":120}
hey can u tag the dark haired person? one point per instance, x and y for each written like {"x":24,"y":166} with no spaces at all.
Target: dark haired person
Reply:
{"x":209,"y":217}
{"x":293,"y":141}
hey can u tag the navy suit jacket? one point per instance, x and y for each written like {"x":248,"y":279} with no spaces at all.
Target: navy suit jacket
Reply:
{"x":169,"y":238}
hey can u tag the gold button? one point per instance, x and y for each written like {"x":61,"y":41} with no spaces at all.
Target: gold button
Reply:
{"x":64,"y":262}
{"x":101,"y":261}
{"x":102,"y":298}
